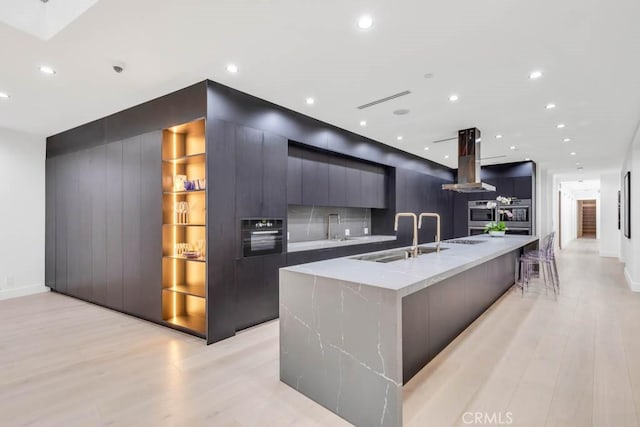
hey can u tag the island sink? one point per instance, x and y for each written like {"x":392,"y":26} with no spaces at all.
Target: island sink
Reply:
{"x":392,"y":256}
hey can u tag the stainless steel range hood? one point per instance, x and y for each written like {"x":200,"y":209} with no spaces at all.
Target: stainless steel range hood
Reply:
{"x":469,"y":143}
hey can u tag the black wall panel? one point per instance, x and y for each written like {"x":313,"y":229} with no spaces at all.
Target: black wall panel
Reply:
{"x":222,"y":228}
{"x":114,"y":224}
{"x":98,"y":180}
{"x":50,"y":224}
{"x":150,"y":224}
{"x":133,"y":300}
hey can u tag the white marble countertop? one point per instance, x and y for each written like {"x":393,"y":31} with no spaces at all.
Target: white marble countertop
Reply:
{"x":324,"y":244}
{"x":411,"y":275}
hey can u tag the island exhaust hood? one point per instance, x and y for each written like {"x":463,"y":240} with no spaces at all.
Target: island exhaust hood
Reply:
{"x":469,"y":142}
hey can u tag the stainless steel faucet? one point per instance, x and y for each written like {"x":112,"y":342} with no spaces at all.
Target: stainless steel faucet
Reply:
{"x":329,"y":224}
{"x":414,"y":248}
{"x":437,"y":217}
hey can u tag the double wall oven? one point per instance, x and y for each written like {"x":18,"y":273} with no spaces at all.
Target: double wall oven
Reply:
{"x":516,"y":215}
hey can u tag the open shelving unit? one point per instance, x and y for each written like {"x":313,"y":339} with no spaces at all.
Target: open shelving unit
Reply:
{"x":184,"y":218}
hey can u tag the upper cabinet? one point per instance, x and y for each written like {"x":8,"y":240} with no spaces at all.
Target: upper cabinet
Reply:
{"x":322,"y":179}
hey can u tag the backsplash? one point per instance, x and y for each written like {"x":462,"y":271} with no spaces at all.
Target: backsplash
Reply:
{"x":307,"y":223}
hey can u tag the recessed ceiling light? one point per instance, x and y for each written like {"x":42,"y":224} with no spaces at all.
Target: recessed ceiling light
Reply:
{"x":498,"y":136}
{"x":573,"y":153}
{"x":232,"y":68}
{"x":550,"y":106}
{"x":4,"y":95}
{"x":310,"y":101}
{"x":426,"y":148}
{"x":365,"y":22}
{"x":561,"y":126}
{"x":566,"y":140}
{"x":446,"y":156}
{"x":399,"y":138}
{"x":454,"y":98}
{"x":47,"y":70}
{"x":363,"y":122}
{"x":513,"y":147}
{"x":577,"y":163}
{"x":535,"y":75}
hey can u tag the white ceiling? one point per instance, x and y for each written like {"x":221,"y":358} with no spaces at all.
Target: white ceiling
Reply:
{"x":290,"y":49}
{"x":42,"y":19}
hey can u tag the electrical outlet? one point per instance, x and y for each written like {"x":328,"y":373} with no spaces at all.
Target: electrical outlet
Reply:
{"x":366,"y":231}
{"x":347,"y":232}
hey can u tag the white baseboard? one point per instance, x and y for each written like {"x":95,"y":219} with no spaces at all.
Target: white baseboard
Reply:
{"x":634,"y":286}
{"x":22,"y":291}
{"x":609,"y":254}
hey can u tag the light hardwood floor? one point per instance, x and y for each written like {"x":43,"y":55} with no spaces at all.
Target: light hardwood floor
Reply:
{"x":534,"y":360}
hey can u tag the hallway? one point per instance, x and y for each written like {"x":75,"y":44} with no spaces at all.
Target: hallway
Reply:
{"x":533,"y":360}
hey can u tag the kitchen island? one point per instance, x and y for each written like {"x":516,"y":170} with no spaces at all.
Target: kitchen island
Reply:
{"x":353,"y":330}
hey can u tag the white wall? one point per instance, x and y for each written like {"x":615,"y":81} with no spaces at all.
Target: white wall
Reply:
{"x":609,"y":235}
{"x":569,"y":217}
{"x":22,"y":213}
{"x":630,"y":248}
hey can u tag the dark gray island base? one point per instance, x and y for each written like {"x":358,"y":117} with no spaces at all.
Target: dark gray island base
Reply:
{"x":352,"y":331}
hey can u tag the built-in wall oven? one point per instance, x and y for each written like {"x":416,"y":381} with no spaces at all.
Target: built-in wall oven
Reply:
{"x":517,"y":216}
{"x":261,"y":236}
{"x":480,"y":214}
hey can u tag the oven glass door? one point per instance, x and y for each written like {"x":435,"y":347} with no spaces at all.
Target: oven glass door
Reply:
{"x":264,"y":240}
{"x":517,"y":214}
{"x":482,"y":215}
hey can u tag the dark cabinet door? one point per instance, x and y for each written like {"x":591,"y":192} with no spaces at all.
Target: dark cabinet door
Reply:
{"x":249,"y":172}
{"x":337,"y":182}
{"x":447,"y":313}
{"x":50,"y":224}
{"x":369,"y":191}
{"x":257,"y":289}
{"x":274,"y":176}
{"x":523,"y":187}
{"x":315,"y":178}
{"x":381,"y":189}
{"x":294,"y":176}
{"x":98,"y":182}
{"x":142,"y":225}
{"x":62,"y":190}
{"x":114,"y":226}
{"x":133,"y":300}
{"x":151,"y":225}
{"x":354,"y":184}
{"x":505,"y":187}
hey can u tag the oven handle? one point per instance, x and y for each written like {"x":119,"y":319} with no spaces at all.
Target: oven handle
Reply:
{"x":266,"y":232}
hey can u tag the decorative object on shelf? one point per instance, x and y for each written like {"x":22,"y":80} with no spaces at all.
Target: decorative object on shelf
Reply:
{"x":179,"y":182}
{"x":189,"y":185}
{"x":200,"y":184}
{"x":191,"y":254}
{"x":201,"y":245}
{"x":182,"y":212}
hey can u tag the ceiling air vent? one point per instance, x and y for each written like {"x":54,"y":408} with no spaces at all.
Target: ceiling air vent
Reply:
{"x":381,"y":100}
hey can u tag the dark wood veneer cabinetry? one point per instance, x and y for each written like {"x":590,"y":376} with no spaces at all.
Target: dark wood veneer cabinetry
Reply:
{"x":317,"y":178}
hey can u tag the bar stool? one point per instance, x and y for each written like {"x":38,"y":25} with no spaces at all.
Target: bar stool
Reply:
{"x":545,"y":259}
